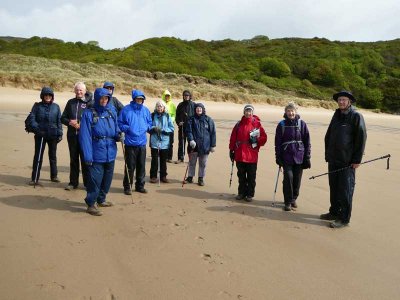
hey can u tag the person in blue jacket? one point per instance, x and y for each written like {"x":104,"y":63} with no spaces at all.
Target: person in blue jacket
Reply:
{"x":201,"y":136}
{"x":113,"y":100}
{"x":135,"y":121}
{"x":45,"y":120}
{"x":98,"y":135}
{"x":160,"y":135}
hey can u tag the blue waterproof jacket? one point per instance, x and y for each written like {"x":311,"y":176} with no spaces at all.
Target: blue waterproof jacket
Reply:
{"x":201,"y":129}
{"x":164,"y":122}
{"x":135,"y":121}
{"x":45,"y":120}
{"x":99,"y":131}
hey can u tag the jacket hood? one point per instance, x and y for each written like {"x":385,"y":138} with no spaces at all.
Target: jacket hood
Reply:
{"x":186,"y":92}
{"x":98,"y":94}
{"x":199,"y":105}
{"x":296,"y":117}
{"x":47,"y":91}
{"x":166,"y":92}
{"x":255,"y":119}
{"x":138,"y":93}
{"x":109,"y":84}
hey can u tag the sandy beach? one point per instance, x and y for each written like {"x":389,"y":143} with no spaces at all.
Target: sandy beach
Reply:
{"x":197,"y":242}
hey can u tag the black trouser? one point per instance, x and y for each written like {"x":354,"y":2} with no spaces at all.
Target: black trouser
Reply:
{"x":181,"y":143}
{"x":341,"y":185}
{"x":246,"y":173}
{"x":154,"y":163}
{"x":40,"y":145}
{"x":135,"y":159}
{"x":76,"y":154}
{"x":171,"y":146}
{"x":291,"y":182}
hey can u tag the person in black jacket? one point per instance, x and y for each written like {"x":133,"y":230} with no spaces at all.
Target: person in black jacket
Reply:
{"x":184,"y":111}
{"x":45,"y":122}
{"x":344,"y":147}
{"x":113,"y":100}
{"x":71,"y":117}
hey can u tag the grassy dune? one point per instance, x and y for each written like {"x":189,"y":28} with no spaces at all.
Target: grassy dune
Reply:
{"x":34,"y":72}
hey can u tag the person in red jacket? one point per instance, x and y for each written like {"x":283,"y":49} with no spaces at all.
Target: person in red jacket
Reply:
{"x":247,"y":137}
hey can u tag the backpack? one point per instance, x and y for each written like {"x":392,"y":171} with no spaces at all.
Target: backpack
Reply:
{"x":28,"y":125}
{"x":96,"y":116}
{"x":283,"y":126}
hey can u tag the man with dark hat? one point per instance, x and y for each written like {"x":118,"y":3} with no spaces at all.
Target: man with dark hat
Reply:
{"x":184,"y":111}
{"x":344,"y":147}
{"x":113,"y":100}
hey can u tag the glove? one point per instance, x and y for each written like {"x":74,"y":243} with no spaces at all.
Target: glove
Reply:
{"x":192,"y":144}
{"x":88,"y":163}
{"x":212,"y":149}
{"x":232,"y":155}
{"x":156,"y":130}
{"x":306,"y":164}
{"x":163,"y":132}
{"x":279,"y":162}
{"x":59,"y":138}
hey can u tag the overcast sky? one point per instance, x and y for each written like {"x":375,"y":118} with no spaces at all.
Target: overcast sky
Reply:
{"x":120,"y":23}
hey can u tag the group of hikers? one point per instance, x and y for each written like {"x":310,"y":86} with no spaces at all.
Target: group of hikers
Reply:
{"x":97,"y":122}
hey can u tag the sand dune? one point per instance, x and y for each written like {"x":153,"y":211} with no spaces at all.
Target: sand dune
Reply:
{"x":197,"y":242}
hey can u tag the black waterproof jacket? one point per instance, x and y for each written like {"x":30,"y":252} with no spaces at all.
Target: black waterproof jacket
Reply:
{"x":184,"y":111}
{"x":45,"y":120}
{"x":117,"y":104}
{"x":346,"y":138}
{"x":73,"y":111}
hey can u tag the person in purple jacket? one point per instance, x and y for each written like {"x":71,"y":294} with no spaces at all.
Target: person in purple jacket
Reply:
{"x":292,"y":153}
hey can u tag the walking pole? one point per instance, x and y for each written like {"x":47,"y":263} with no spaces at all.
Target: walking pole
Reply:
{"x":127,"y":170}
{"x":276,"y":185}
{"x":365,"y":162}
{"x":159,"y":165}
{"x":38,"y":162}
{"x":230,"y":180}
{"x":187,"y":168}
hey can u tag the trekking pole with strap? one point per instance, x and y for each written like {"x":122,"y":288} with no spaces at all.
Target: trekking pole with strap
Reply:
{"x":187,"y":168}
{"x":230,"y":180}
{"x":127,"y":170}
{"x":276,"y":186}
{"x":365,"y":162}
{"x":38,"y":162}
{"x":159,"y":165}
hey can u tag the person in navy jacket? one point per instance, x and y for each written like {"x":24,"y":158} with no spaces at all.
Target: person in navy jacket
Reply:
{"x":98,"y":135}
{"x":135,"y":121}
{"x":46,"y":123}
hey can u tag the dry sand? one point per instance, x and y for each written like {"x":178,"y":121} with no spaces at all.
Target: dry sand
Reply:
{"x":197,"y":242}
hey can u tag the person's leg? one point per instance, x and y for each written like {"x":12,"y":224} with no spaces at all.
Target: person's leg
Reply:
{"x":297,"y":175}
{"x":242,"y":177}
{"x":53,"y":158}
{"x":73,"y":160}
{"x":130,"y":160}
{"x":171,"y":146}
{"x":163,"y":162}
{"x":108,"y":172}
{"x":84,"y":167}
{"x":288,"y":184}
{"x":251,"y":179}
{"x":140,"y":167}
{"x":202,"y":165}
{"x":333,"y":190}
{"x":192,"y":164}
{"x":40,"y":144}
{"x":181,"y":144}
{"x":346,"y":183}
{"x":94,"y":179}
{"x":154,"y":163}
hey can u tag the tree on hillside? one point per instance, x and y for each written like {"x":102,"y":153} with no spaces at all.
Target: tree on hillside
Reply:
{"x":274,"y":67}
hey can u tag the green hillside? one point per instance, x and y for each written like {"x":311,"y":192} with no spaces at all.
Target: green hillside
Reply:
{"x":312,"y":68}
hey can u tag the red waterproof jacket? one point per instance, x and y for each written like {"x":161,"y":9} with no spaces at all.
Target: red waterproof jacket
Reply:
{"x":240,"y":139}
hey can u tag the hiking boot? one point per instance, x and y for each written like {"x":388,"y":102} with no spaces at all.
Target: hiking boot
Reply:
{"x":32,"y":182}
{"x":189,"y":179}
{"x":169,"y":160}
{"x":287,"y":207}
{"x":179,"y":161}
{"x":164,"y":179}
{"x":106,"y":204}
{"x":127,"y":191}
{"x":328,"y":216}
{"x":153,"y":180}
{"x":141,"y":190}
{"x":200,"y":182}
{"x":293,"y":204}
{"x":92,"y":210}
{"x":70,"y":187}
{"x":338,"y":224}
{"x":248,"y":199}
{"x":55,"y":179}
{"x":240,"y":197}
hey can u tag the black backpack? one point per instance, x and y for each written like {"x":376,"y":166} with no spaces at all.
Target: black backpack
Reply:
{"x":28,"y":125}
